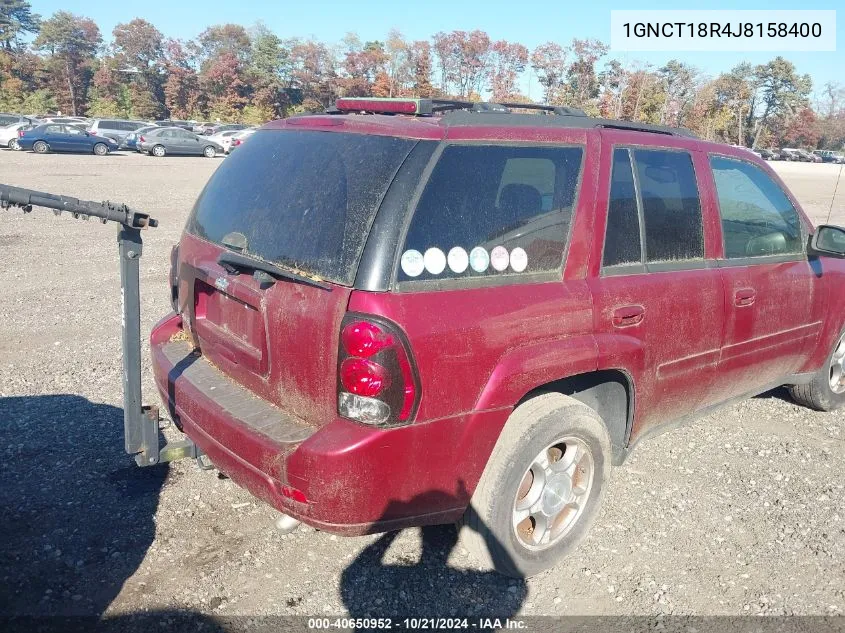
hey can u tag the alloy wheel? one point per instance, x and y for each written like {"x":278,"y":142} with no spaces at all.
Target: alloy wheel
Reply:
{"x":553,"y":493}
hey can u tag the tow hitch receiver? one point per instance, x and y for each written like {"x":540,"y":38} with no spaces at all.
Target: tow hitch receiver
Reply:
{"x":141,"y":424}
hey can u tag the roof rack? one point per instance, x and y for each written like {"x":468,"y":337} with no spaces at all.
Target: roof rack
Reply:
{"x":460,"y":112}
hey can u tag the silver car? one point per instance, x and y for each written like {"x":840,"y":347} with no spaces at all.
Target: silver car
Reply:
{"x":177,"y":141}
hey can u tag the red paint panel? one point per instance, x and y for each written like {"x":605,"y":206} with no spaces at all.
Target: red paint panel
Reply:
{"x":461,"y":338}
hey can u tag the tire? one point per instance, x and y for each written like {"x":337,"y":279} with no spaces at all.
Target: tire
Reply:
{"x":490,"y":528}
{"x":14,"y":145}
{"x":101,"y":149}
{"x":209,"y":152}
{"x":158,"y":151}
{"x":819,"y":393}
{"x":40,"y":147}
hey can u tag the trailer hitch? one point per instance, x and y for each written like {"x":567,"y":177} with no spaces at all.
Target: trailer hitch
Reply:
{"x":141,"y":424}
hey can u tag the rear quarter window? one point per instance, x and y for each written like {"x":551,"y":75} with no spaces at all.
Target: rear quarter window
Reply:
{"x":493,"y":211}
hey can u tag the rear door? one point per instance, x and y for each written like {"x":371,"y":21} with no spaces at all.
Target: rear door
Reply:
{"x":769,"y":284}
{"x":658,"y":301}
{"x":303,"y":200}
{"x":57,"y":137}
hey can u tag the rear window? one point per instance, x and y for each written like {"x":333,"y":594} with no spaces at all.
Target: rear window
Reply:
{"x":301,"y":199}
{"x":493,"y":210}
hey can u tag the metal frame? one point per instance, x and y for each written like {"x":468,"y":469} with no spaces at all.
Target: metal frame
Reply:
{"x":141,"y":424}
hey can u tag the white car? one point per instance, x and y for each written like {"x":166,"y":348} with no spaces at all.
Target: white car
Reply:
{"x":224,"y":138}
{"x":238,"y":139}
{"x":9,"y":134}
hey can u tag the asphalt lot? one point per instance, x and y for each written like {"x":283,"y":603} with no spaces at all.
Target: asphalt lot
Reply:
{"x":741,"y":513}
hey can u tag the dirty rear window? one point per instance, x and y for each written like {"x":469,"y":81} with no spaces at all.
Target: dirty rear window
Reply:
{"x":301,"y":199}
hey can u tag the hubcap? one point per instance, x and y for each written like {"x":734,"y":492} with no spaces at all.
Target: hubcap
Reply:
{"x":837,"y":367}
{"x":552,"y":493}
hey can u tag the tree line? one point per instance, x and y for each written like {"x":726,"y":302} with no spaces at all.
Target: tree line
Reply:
{"x":234,"y":73}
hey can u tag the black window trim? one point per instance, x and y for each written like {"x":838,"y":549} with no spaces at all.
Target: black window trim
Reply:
{"x":724,"y":262}
{"x":643,"y":266}
{"x":458,"y":283}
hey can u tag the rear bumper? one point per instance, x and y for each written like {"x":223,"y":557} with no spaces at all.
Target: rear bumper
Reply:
{"x":355,"y":479}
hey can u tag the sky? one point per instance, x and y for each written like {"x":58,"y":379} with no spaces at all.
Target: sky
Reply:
{"x":530,"y":23}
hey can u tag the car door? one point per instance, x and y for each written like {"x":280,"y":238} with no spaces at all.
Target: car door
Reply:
{"x":57,"y":137}
{"x":769,"y":284}
{"x":657,"y":295}
{"x":77,"y":140}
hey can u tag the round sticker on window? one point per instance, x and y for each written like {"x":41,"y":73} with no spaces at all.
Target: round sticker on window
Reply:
{"x":519,"y":259}
{"x":435,"y":261}
{"x":458,"y":260}
{"x":479,"y":259}
{"x":412,"y":263}
{"x":499,"y":258}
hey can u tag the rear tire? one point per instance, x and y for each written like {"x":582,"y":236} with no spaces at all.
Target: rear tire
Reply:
{"x":101,"y":149}
{"x":826,"y":392}
{"x":158,"y":151}
{"x":40,"y":147}
{"x":209,"y":152}
{"x":541,"y":489}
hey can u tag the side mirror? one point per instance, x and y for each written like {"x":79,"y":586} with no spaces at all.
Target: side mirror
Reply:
{"x":828,"y":240}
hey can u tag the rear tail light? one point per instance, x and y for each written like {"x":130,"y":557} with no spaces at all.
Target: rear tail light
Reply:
{"x":20,"y":133}
{"x":377,"y":378}
{"x":141,"y":138}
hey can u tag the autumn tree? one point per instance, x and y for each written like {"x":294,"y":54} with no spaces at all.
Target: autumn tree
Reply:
{"x":419,"y":54}
{"x":549,"y":63}
{"x":463,"y":60}
{"x":679,"y":83}
{"x":70,"y":41}
{"x":582,"y":81}
{"x":138,"y":51}
{"x":507,"y":62}
{"x":182,"y":95}
{"x":803,"y":130}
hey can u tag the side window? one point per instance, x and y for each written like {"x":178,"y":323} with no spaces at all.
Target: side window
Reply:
{"x":757,"y":217}
{"x":73,"y":131}
{"x":622,"y":236}
{"x":670,"y":204}
{"x":493,"y":210}
{"x":55,"y":129}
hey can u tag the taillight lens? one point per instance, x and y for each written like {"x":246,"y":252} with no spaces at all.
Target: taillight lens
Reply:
{"x":174,"y":278}
{"x":377,"y":379}
{"x":141,"y":138}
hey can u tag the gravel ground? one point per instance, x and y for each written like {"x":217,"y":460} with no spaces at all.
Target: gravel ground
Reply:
{"x":741,"y":513}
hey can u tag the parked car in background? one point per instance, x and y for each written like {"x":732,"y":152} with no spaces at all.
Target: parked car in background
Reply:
{"x":179,"y":141}
{"x":239,"y":138}
{"x":809,"y":156}
{"x":57,"y":137}
{"x":829,"y":156}
{"x":7,"y":119}
{"x":224,"y":139}
{"x":115,"y":129}
{"x":790,"y":154}
{"x":9,"y":134}
{"x":185,"y":125}
{"x":769,"y":154}
{"x":131,"y":139}
{"x":203,"y":128}
{"x":229,"y":126}
{"x":72,"y":120}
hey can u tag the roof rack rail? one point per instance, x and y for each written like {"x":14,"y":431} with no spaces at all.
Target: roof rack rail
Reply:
{"x":458,"y":111}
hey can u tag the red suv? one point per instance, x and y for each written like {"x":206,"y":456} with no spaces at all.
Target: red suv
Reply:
{"x":408,"y":312}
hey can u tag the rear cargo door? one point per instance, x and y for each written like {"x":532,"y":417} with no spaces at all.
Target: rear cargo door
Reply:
{"x":303,"y":201}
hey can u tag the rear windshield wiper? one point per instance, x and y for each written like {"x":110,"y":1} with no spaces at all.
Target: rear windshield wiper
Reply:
{"x":264,"y":272}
